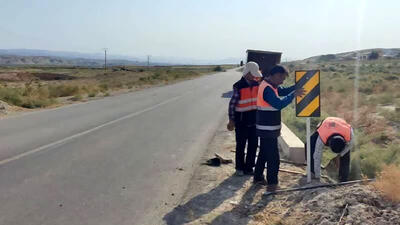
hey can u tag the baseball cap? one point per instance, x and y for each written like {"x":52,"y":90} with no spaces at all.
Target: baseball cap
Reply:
{"x":252,"y":67}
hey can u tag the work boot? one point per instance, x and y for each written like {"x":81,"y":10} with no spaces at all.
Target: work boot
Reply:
{"x":272,"y":187}
{"x":260,"y":181}
{"x":239,"y":173}
{"x":249,"y":172}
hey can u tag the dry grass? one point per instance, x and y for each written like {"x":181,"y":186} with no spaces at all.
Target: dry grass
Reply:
{"x":376,"y":131}
{"x":388,"y":182}
{"x":34,"y":92}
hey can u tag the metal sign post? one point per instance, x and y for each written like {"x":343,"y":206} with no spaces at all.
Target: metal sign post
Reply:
{"x":308,"y":105}
{"x":308,"y":151}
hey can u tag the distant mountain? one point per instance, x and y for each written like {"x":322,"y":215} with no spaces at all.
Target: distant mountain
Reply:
{"x":61,"y":58}
{"x":191,"y":61}
{"x":64,"y":54}
{"x":353,"y":55}
{"x":12,"y":60}
{"x":64,"y":58}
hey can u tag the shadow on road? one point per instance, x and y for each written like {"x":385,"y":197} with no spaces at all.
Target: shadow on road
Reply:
{"x":204,"y":203}
{"x":244,"y":208}
{"x":227,"y":94}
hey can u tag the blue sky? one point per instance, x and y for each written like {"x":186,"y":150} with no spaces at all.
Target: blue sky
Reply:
{"x":200,"y":29}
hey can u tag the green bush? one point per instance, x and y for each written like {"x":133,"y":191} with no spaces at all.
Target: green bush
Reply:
{"x":393,"y":116}
{"x":103,"y":87}
{"x":385,"y":98}
{"x":355,"y":168}
{"x":11,"y":95}
{"x":156,"y":76}
{"x":32,"y":102}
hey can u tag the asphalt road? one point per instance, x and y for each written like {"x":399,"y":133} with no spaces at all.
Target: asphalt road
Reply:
{"x":110,"y":161}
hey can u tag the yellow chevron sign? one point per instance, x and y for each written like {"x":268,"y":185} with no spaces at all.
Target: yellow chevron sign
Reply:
{"x":308,"y":105}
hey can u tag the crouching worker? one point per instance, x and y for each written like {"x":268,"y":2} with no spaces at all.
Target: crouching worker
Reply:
{"x":338,"y":135}
{"x":242,"y":118}
{"x":270,"y":100}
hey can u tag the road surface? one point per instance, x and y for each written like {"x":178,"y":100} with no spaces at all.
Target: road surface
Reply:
{"x":115,"y":160}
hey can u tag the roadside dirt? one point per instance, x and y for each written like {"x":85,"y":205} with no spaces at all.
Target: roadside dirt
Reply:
{"x":215,"y":196}
{"x":27,"y":76}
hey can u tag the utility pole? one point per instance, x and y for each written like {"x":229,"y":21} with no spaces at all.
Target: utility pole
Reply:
{"x":148,"y":60}
{"x":105,"y":59}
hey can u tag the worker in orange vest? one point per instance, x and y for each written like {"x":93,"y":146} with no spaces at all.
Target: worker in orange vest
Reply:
{"x":338,"y":135}
{"x":242,"y":118}
{"x":271,"y":99}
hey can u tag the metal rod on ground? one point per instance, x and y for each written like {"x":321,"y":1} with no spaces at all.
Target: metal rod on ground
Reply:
{"x":301,"y":173}
{"x":294,"y":163}
{"x":308,"y":152}
{"x":291,"y":171}
{"x":318,"y":186}
{"x":344,"y":211}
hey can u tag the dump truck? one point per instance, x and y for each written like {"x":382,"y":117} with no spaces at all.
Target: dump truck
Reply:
{"x":265,"y":59}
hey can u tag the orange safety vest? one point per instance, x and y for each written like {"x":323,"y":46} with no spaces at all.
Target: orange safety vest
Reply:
{"x":268,"y":119}
{"x":248,"y":99}
{"x":261,"y":103}
{"x":334,"y":125}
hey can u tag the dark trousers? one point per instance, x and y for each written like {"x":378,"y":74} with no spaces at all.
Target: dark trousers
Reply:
{"x":344,"y":167}
{"x":269,"y":154}
{"x":246,"y":134}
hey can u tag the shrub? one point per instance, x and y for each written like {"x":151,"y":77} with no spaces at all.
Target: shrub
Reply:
{"x":156,"y":76}
{"x":391,"y":78}
{"x":77,"y":97}
{"x":388,"y":182}
{"x":393,"y":116}
{"x":63,"y":90}
{"x":103,"y":87}
{"x":11,"y":95}
{"x":385,"y":98}
{"x":32,"y":102}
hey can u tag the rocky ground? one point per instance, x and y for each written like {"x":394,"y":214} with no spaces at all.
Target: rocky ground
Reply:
{"x":215,"y":196}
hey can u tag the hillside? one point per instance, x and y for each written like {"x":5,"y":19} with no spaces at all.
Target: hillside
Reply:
{"x":389,"y":53}
{"x":13,"y":60}
{"x":17,"y":57}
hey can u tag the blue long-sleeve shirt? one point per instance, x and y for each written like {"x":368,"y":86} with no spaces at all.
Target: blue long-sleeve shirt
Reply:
{"x":276,"y":102}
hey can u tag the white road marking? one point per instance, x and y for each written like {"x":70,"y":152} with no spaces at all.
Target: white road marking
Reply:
{"x":62,"y":141}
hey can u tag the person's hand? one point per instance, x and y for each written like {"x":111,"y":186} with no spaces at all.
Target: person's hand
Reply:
{"x":299,"y":92}
{"x":231,"y":125}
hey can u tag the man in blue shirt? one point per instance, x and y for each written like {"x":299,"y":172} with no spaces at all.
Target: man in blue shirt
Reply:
{"x":271,"y":99}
